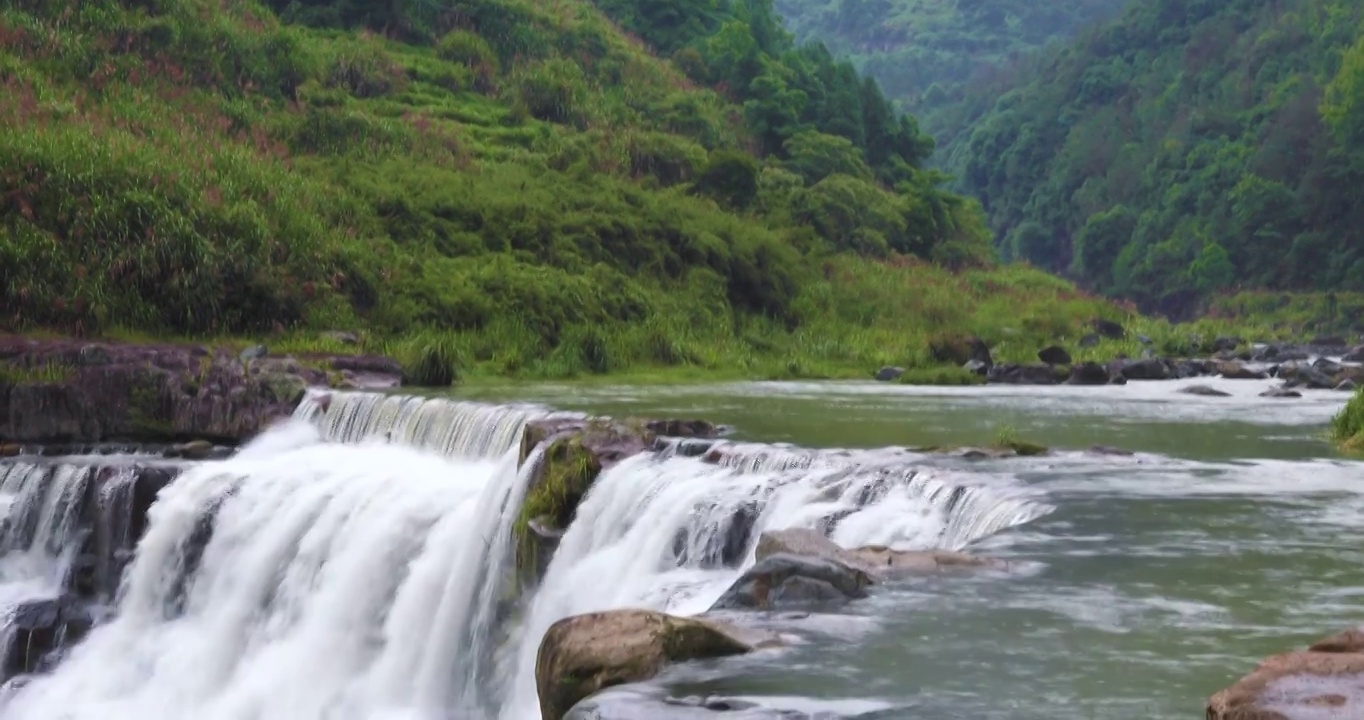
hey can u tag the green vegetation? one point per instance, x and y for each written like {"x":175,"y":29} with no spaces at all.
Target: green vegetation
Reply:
{"x":566,"y":472}
{"x":924,"y":52}
{"x":1347,"y":428}
{"x":1184,"y":150}
{"x":498,"y":187}
{"x":48,"y":372}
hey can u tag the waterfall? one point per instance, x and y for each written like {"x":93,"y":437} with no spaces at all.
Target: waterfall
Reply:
{"x":454,"y":428}
{"x":355,"y":562}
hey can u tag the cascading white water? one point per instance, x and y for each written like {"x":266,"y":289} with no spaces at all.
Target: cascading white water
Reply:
{"x":351,"y":564}
{"x":653,"y":530}
{"x":307,"y":579}
{"x":40,"y":504}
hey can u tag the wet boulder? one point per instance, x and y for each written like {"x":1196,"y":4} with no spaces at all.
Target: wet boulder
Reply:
{"x":1026,"y":374}
{"x":1226,"y":343}
{"x":1322,"y":682}
{"x":1280,"y":392}
{"x":1204,"y":391}
{"x":1355,"y":355}
{"x":1347,"y":385}
{"x":1088,"y":373}
{"x":584,"y":654}
{"x":1335,"y":342}
{"x":784,"y":581}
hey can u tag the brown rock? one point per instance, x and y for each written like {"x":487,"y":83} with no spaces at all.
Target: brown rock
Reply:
{"x":10,"y":449}
{"x":1327,"y":678}
{"x":583,"y":654}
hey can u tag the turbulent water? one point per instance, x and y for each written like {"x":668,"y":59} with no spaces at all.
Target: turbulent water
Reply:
{"x":354,"y":564}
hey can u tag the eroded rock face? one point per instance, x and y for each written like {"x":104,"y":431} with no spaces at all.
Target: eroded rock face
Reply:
{"x":1325,"y":682}
{"x":64,"y":391}
{"x":584,"y":654}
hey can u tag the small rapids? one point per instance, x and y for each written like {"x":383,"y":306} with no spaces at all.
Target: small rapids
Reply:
{"x":356,"y":563}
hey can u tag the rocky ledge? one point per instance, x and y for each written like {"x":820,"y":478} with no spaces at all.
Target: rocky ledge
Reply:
{"x":72,"y":391}
{"x":1306,"y":364}
{"x":1324,"y":682}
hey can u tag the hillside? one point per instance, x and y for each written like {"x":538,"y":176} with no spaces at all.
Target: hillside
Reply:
{"x":923,"y":51}
{"x":1185,"y":150}
{"x":516,"y":185}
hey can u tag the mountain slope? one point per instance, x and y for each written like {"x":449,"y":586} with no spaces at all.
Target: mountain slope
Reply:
{"x":519,"y":180}
{"x":922,"y":51}
{"x":1185,"y":149}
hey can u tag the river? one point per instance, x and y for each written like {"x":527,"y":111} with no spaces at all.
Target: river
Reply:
{"x":1157,"y":580}
{"x":351,"y":581}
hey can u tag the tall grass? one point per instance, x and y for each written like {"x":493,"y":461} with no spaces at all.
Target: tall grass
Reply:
{"x":1347,"y":427}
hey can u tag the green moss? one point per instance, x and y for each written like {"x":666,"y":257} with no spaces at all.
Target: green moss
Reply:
{"x":566,"y":472}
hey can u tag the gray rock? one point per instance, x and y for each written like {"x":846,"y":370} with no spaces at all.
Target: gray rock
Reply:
{"x":1089,"y":373}
{"x":1090,"y":340}
{"x":1347,"y":385}
{"x":1279,"y":392}
{"x":1355,"y":355}
{"x":976,"y":366}
{"x":785,"y":581}
{"x":1204,"y":390}
{"x":887,"y":374}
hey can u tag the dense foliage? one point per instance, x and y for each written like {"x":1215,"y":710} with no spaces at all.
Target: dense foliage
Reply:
{"x":1186,"y":149}
{"x":923,"y":51}
{"x":514,"y":183}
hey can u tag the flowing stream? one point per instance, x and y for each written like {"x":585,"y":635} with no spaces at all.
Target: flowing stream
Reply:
{"x":354,"y":563}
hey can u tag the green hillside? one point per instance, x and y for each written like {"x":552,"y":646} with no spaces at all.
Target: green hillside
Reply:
{"x":515,"y":184}
{"x":1185,"y":150}
{"x":923,"y":51}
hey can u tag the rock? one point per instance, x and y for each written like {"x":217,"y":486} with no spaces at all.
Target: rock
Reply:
{"x":1226,"y":343}
{"x":784,"y":581}
{"x":1321,"y":682}
{"x":153,"y":393}
{"x":1347,"y":385}
{"x":886,"y":374}
{"x":1090,"y":340}
{"x":683,"y":428}
{"x":193,"y":450}
{"x":1280,"y":393}
{"x":584,"y":654}
{"x":1025,"y":374}
{"x":1144,"y":340}
{"x":976,"y":367}
{"x":41,"y":630}
{"x":877,"y":562}
{"x":1356,"y":355}
{"x":1088,"y":373}
{"x":10,"y":449}
{"x":1329,"y":367}
{"x":1054,"y":355}
{"x":1145,"y":369}
{"x":1108,"y":329}
{"x":253,"y":352}
{"x":1105,"y":450}
{"x":1203,"y":390}
{"x":1329,"y":341}
{"x":1235,"y":370}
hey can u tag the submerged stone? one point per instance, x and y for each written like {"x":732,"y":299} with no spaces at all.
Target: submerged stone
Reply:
{"x":785,"y":581}
{"x":1325,"y":682}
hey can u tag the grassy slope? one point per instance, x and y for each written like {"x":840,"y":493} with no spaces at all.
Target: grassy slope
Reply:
{"x":522,"y":201}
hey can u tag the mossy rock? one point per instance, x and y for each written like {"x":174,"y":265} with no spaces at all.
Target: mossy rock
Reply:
{"x":1026,"y":449}
{"x":584,"y":654}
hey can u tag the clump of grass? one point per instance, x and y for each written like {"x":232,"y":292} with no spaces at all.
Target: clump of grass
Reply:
{"x":47,"y":372}
{"x":436,"y":365}
{"x":1347,"y":427}
{"x":567,"y":471}
{"x":1006,"y":438}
